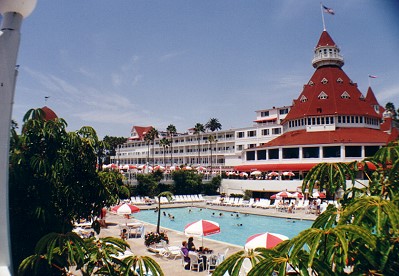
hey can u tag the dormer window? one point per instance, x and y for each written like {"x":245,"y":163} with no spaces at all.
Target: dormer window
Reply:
{"x":311,"y":83}
{"x":324,"y":81}
{"x":361,"y":97}
{"x":339,"y":80}
{"x":303,"y":99}
{"x":322,"y":95}
{"x":345,"y":95}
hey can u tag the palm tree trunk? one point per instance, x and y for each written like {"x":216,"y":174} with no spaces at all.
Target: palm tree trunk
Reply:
{"x":199,"y":151}
{"x":159,"y":214}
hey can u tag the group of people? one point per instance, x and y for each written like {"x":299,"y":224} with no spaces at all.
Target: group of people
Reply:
{"x":187,"y":247}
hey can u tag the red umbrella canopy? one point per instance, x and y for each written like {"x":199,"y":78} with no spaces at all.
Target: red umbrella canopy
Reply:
{"x":265,"y":240}
{"x":288,"y":173}
{"x":319,"y":195}
{"x":297,"y":195}
{"x":282,"y":194}
{"x":201,"y":228}
{"x":273,"y":174}
{"x":125,"y":209}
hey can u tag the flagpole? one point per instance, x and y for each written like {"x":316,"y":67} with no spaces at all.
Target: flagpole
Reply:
{"x":322,"y":16}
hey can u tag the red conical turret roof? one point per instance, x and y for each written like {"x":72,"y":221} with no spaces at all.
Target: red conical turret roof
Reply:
{"x":325,"y":40}
{"x":370,"y":97}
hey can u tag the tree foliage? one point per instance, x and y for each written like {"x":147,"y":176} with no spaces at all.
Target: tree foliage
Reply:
{"x":187,"y":182}
{"x":53,"y":180}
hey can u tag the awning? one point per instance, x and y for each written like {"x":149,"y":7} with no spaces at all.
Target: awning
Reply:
{"x":275,"y":167}
{"x":265,"y":120}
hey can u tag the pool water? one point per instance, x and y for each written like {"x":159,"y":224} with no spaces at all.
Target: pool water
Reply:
{"x":235,"y":228}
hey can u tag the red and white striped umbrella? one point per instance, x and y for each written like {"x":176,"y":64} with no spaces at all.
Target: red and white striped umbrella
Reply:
{"x":125,"y":209}
{"x":264,"y":240}
{"x":288,"y":174}
{"x":282,"y":194}
{"x":297,"y":195}
{"x":319,"y":195}
{"x":201,"y":228}
{"x":273,"y":174}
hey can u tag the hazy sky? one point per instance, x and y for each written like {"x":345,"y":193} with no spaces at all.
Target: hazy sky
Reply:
{"x":115,"y":64}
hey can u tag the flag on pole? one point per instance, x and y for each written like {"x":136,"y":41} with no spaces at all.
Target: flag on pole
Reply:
{"x":328,"y":10}
{"x":372,"y":76}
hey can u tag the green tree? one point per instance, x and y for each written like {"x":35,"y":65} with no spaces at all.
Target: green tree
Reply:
{"x":391,"y":108}
{"x":153,"y":135}
{"x":112,"y":143}
{"x":164,"y":143}
{"x":53,"y":180}
{"x":213,"y":124}
{"x":198,"y":129}
{"x":211,"y":140}
{"x":171,"y":130}
{"x":187,"y":182}
{"x":146,"y":184}
{"x":147,"y":140}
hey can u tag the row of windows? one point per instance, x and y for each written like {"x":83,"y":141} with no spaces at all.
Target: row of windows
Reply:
{"x":330,"y":120}
{"x":264,"y":132}
{"x":312,"y":152}
{"x":312,"y":121}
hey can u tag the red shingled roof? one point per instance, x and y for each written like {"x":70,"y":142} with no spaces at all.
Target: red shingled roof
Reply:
{"x":141,"y":131}
{"x":325,"y":40}
{"x":340,"y":135}
{"x":336,"y":83}
{"x":49,"y":114}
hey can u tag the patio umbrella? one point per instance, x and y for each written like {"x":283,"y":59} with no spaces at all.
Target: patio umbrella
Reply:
{"x":125,"y":209}
{"x":273,"y":174}
{"x":159,"y":167}
{"x":297,"y":195}
{"x":288,"y":174}
{"x":256,"y":173}
{"x":319,"y":195}
{"x":282,"y":194}
{"x":243,"y":174}
{"x":202,"y":228}
{"x":265,"y":240}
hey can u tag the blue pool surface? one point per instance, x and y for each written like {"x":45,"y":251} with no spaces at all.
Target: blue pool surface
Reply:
{"x":233,"y":229}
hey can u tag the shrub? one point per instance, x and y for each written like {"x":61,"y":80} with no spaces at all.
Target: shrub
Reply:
{"x":153,"y":237}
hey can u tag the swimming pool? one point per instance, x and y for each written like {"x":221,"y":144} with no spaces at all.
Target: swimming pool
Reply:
{"x":235,"y":228}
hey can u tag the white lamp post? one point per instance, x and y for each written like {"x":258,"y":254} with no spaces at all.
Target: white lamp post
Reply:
{"x":13,"y":11}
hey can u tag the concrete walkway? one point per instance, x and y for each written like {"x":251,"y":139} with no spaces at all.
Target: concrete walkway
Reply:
{"x":174,"y":267}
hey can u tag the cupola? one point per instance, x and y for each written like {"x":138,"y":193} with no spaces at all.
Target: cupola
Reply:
{"x":327,"y":53}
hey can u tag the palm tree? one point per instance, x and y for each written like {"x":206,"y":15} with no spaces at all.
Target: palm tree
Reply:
{"x":168,"y":195}
{"x":59,"y":253}
{"x":211,"y":139}
{"x":198,"y":129}
{"x":154,"y":134}
{"x":213,"y":124}
{"x":147,"y":140}
{"x":171,"y":130}
{"x":165,"y":143}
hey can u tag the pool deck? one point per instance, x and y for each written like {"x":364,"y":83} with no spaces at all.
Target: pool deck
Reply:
{"x":173,"y":267}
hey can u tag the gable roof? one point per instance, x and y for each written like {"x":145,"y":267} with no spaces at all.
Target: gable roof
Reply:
{"x":141,"y":131}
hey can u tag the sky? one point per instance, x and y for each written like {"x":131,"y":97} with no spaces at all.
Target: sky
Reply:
{"x":116,"y":64}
